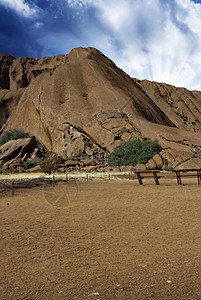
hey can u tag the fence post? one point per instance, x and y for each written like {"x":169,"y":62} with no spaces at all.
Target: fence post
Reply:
{"x":66,"y":177}
{"x":87,"y":177}
{"x":178,"y":176}
{"x":155,"y":177}
{"x":198,"y":175}
{"x":139,"y":177}
{"x":53,"y":179}
{"x":12,"y":189}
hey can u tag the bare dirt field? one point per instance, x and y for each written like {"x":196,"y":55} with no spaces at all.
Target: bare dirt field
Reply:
{"x":101,"y":240}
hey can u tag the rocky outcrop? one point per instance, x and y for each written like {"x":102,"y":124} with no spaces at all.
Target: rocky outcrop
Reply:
{"x":21,"y":148}
{"x":81,"y":105}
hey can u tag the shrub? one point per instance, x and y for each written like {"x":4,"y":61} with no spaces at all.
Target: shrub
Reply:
{"x":12,"y":135}
{"x":42,"y":148}
{"x":133,"y":153}
{"x":51,"y":163}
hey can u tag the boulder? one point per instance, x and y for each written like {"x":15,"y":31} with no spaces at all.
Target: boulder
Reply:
{"x":89,"y":162}
{"x":151,"y":165}
{"x":167,"y":157}
{"x":13,"y":164}
{"x":62,"y":170}
{"x":158,"y":161}
{"x":71,"y":163}
{"x":127,"y":169}
{"x":36,"y":153}
{"x":24,"y":158}
{"x":35,"y":169}
{"x":14,"y":148}
{"x":89,"y":151}
{"x":7,"y":164}
{"x":89,"y":169}
{"x":19,"y":168}
{"x":74,"y":134}
{"x":76,"y":148}
{"x":104,"y":169}
{"x":141,"y":167}
{"x":167,"y":168}
{"x":117,"y":169}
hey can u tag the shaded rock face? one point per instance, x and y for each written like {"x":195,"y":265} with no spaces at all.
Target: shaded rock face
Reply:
{"x":81,"y":104}
{"x":8,"y":103}
{"x":5,"y":64}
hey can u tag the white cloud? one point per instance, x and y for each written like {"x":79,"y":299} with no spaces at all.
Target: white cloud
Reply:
{"x":80,"y":3}
{"x":20,"y":7}
{"x":38,"y":25}
{"x":154,"y":39}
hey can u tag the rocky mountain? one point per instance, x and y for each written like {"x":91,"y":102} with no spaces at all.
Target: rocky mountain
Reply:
{"x":82,"y":105}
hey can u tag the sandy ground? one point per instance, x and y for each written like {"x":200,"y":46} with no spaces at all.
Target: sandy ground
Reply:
{"x":102,"y":240}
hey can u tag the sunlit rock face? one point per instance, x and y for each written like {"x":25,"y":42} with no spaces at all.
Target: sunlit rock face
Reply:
{"x":81,"y":104}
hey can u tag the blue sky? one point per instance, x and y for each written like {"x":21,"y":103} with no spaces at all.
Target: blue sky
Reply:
{"x":158,"y":40}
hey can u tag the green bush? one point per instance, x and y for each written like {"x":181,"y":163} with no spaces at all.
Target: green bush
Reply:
{"x":42,"y":148}
{"x":51,"y":163}
{"x":12,"y":135}
{"x":133,"y":153}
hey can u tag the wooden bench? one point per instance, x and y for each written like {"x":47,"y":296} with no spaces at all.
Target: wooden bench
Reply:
{"x":147,"y":174}
{"x":185,"y":173}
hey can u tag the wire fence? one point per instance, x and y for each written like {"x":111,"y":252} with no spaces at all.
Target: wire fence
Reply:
{"x":11,"y":184}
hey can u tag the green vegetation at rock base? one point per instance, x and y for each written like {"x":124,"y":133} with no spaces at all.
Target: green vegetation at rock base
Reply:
{"x":12,"y":135}
{"x":133,"y":153}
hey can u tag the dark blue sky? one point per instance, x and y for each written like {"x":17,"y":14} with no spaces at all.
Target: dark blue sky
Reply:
{"x":154,"y":39}
{"x":39,"y":32}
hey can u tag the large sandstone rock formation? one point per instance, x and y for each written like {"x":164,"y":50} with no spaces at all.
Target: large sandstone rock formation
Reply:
{"x":81,"y":104}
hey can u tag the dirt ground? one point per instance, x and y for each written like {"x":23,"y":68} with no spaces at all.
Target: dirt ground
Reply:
{"x":101,"y":240}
